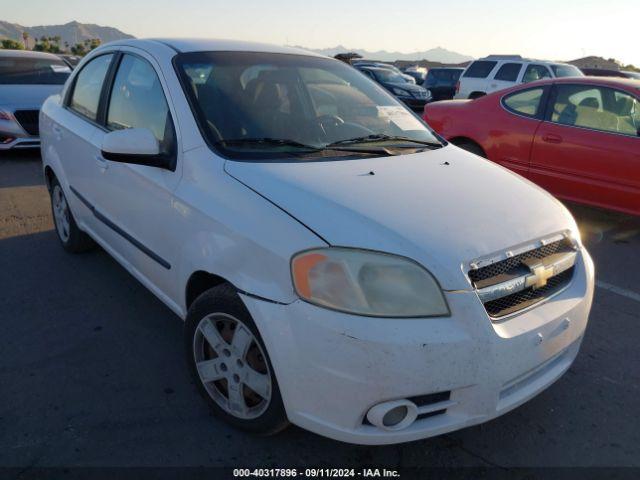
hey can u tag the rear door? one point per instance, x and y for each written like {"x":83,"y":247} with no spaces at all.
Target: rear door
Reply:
{"x":588,"y":149}
{"x":74,"y":136}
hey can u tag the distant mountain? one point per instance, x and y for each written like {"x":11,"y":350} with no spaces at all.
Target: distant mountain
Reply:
{"x":438,"y":54}
{"x":71,"y":33}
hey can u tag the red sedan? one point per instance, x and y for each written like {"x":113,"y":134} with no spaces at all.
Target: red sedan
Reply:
{"x":579,"y":138}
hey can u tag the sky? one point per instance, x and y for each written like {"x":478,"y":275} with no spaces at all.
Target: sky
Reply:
{"x":547,"y":29}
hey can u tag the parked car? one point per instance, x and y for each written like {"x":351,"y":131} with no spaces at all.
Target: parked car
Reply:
{"x":603,"y":72}
{"x":71,"y":60}
{"x":26,"y":80}
{"x":337,"y":265}
{"x":441,"y":82}
{"x":497,"y":72}
{"x":418,"y":74}
{"x":576,"y":137}
{"x":414,"y":96}
{"x":367,"y":63}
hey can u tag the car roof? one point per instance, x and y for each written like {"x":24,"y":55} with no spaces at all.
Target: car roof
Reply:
{"x":183,"y":45}
{"x":28,"y":54}
{"x":517,"y":59}
{"x":613,"y":82}
{"x":606,"y":81}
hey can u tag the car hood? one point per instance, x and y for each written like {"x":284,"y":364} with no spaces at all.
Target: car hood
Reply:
{"x":442,"y":208}
{"x":27,"y":96}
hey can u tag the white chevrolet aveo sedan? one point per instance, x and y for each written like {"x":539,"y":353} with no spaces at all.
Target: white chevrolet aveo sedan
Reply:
{"x":337,"y":264}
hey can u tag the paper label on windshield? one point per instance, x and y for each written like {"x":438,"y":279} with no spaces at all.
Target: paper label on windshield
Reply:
{"x":400,"y":117}
{"x":60,"y":68}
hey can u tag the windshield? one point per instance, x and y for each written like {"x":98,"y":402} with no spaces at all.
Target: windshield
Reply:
{"x":388,"y":76}
{"x":32,"y":71}
{"x":265,"y":103}
{"x":566,"y":71}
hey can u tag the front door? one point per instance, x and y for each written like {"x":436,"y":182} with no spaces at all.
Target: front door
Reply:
{"x":137,"y":200}
{"x":588,"y":150}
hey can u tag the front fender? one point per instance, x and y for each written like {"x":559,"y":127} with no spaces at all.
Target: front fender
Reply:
{"x":234,"y":233}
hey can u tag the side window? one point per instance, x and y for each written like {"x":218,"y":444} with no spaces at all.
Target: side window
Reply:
{"x":597,"y":108}
{"x":524,"y":103}
{"x":88,"y":85}
{"x":627,"y":109}
{"x":509,"y":72}
{"x":137,"y":101}
{"x":535,"y":72}
{"x":479,"y":69}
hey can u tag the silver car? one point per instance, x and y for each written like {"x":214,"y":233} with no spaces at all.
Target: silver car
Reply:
{"x":26,"y":80}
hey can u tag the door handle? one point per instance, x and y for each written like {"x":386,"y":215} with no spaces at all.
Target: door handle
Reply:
{"x":552,"y":138}
{"x":102,"y":163}
{"x":57,"y":131}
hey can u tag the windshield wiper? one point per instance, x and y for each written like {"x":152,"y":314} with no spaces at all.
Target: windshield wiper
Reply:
{"x":377,"y":138}
{"x":283,"y":142}
{"x":268,"y":141}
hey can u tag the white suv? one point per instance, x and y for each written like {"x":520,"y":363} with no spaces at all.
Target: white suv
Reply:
{"x":497,"y":72}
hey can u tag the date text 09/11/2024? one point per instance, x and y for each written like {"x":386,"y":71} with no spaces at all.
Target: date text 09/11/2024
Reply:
{"x":316,"y":473}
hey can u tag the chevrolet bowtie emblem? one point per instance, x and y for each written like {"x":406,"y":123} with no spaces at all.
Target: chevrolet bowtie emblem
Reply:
{"x":540,"y":274}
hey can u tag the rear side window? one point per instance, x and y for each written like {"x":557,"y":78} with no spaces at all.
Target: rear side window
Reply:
{"x":480,"y":69}
{"x":137,"y":101}
{"x":509,"y":72}
{"x":32,"y":71}
{"x":524,"y":103}
{"x":88,"y":85}
{"x":536,"y":72}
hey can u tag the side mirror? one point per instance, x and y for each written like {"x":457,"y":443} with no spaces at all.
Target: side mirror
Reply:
{"x":134,"y":145}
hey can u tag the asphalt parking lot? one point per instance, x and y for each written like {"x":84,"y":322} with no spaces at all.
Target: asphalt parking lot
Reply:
{"x":93,"y":374}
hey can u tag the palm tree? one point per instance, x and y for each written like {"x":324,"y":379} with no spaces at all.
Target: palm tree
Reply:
{"x":25,"y":37}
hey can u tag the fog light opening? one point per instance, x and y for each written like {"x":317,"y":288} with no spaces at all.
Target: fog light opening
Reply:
{"x":395,"y":416}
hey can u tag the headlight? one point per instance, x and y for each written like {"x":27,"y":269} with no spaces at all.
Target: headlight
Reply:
{"x":367,"y":283}
{"x":400,"y":92}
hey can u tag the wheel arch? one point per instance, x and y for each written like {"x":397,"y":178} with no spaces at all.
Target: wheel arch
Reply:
{"x":199,"y":282}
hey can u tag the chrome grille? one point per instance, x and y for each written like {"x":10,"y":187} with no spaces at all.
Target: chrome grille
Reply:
{"x":513,"y":284}
{"x":514,"y":264}
{"x":521,"y":300}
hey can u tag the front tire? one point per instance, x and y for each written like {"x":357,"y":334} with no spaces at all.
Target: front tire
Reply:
{"x":231,"y":365}
{"x":73,"y":239}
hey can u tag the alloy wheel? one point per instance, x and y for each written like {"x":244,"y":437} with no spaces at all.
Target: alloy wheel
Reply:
{"x":61,"y":213}
{"x":232,"y":366}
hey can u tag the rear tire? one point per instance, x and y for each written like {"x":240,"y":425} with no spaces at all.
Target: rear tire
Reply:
{"x":470,"y":146}
{"x":230,"y":363}
{"x":73,"y":239}
{"x":475,"y":95}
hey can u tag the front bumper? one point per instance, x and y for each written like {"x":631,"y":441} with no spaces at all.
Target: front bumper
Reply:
{"x":332,"y":367}
{"x":12,"y":135}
